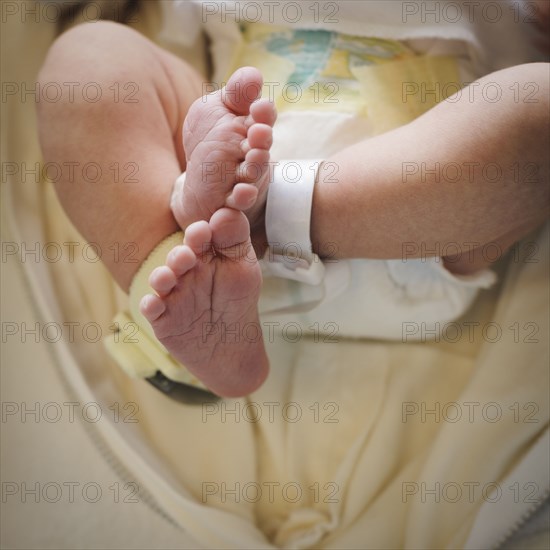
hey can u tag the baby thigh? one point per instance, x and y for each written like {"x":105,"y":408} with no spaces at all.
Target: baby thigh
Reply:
{"x":123,"y":118}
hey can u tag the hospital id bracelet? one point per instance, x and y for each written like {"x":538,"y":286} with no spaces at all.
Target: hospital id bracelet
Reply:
{"x":288,"y":221}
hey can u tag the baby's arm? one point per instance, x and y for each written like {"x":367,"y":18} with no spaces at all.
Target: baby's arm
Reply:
{"x":374,"y":197}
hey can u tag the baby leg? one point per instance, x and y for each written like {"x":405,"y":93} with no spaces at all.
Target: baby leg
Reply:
{"x":137,"y":130}
{"x":146,"y":134}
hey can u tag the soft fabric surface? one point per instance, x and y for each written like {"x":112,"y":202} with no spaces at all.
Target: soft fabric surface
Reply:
{"x":358,"y":475}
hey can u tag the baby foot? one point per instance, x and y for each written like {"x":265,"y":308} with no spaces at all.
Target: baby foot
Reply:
{"x":227,"y":136}
{"x":206,"y":311}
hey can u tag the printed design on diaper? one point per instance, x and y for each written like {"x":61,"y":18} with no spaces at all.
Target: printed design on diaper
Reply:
{"x":315,"y":69}
{"x":328,"y":55}
{"x":322,"y":70}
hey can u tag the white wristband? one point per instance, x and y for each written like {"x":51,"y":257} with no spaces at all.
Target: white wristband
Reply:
{"x":288,"y":220}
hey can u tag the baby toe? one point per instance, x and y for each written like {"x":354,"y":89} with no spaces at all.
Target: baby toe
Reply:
{"x":198,"y":237}
{"x":264,"y":111}
{"x":254,"y":166}
{"x":162,"y":280}
{"x":180,"y":260}
{"x":242,"y":197}
{"x":260,"y":136}
{"x":243,"y":87}
{"x":229,"y":228}
{"x":152,"y":307}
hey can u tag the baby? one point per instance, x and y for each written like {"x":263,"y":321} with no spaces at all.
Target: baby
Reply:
{"x":213,"y":277}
